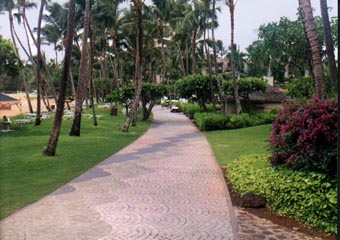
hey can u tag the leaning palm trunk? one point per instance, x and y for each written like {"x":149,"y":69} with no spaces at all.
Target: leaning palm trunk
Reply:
{"x":138,"y":4}
{"x":329,"y":44}
{"x":53,"y":140}
{"x":312,"y":38}
{"x":81,"y":90}
{"x":231,"y":5}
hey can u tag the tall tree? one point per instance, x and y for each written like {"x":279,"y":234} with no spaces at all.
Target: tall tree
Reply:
{"x":329,"y":44}
{"x":231,"y":5}
{"x":39,"y":63}
{"x":53,"y":140}
{"x":312,"y":37}
{"x":81,"y":89}
{"x":138,"y":7}
{"x":220,"y":94}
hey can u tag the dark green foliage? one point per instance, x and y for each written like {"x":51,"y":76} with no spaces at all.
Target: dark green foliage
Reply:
{"x":301,"y":88}
{"x":213,"y":121}
{"x":306,"y":196}
{"x":189,"y":109}
{"x":245,"y":86}
{"x":210,"y":121}
{"x":198,"y":85}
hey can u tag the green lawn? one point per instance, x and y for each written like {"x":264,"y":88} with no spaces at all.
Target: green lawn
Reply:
{"x":26,"y":175}
{"x":230,"y":144}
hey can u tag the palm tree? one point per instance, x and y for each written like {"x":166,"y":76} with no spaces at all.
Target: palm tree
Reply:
{"x":39,"y":62}
{"x":81,"y":90}
{"x":53,"y":140}
{"x":8,"y":5}
{"x":329,"y":44}
{"x":220,"y":94}
{"x":312,"y":37}
{"x":231,"y":5}
{"x":138,"y":7}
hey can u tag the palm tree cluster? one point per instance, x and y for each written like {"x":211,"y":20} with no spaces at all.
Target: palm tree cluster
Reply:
{"x":106,"y":46}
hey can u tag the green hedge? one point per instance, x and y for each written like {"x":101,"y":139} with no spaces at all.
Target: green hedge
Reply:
{"x":210,"y":121}
{"x":306,"y":196}
{"x":213,"y":121}
{"x":190,"y":109}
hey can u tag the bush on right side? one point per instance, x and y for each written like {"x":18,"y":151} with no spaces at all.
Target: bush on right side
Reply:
{"x":304,"y":136}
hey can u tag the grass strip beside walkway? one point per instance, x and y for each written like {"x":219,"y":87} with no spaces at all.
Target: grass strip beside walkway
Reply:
{"x":230,"y":144}
{"x":26,"y":175}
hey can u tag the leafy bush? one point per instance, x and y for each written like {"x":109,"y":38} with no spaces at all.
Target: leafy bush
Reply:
{"x":238,"y":121}
{"x":190,"y":109}
{"x":307,"y":196}
{"x":304,"y":136}
{"x":210,"y":121}
{"x":259,"y":118}
{"x":301,"y":88}
{"x":245,"y":86}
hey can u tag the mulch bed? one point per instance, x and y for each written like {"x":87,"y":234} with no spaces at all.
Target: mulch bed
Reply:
{"x":273,"y":217}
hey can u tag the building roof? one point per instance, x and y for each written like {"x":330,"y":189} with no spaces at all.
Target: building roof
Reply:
{"x":5,"y":98}
{"x":271,"y":94}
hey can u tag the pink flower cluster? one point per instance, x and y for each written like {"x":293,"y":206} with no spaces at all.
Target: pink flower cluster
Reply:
{"x":304,"y":136}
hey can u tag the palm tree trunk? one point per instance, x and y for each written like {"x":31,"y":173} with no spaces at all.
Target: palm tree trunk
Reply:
{"x":115,"y":64}
{"x":312,"y":37}
{"x":193,"y":51}
{"x":329,"y":44}
{"x":91,"y":85}
{"x":220,"y":94}
{"x":138,"y":4}
{"x":53,"y":140}
{"x":39,"y":60}
{"x":11,"y":25}
{"x":233,"y":67}
{"x":181,"y":59}
{"x":186,"y":59}
{"x":81,"y":90}
{"x":212,"y":89}
{"x":30,"y":108}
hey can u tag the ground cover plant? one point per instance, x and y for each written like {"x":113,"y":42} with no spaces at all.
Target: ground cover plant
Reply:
{"x":306,"y":196}
{"x":26,"y":175}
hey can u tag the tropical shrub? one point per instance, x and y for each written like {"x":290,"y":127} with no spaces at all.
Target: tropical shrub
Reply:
{"x":306,"y":196}
{"x":304,"y":136}
{"x":301,"y":88}
{"x":245,"y":86}
{"x":238,"y":121}
{"x":210,"y":121}
{"x":197,"y":85}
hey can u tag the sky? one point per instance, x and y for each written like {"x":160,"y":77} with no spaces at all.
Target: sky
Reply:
{"x":249,"y":15}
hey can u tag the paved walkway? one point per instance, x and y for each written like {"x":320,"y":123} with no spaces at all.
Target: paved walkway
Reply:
{"x":166,"y":185}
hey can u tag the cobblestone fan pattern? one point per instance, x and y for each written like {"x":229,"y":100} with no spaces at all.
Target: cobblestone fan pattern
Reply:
{"x":166,"y":185}
{"x":252,"y":227}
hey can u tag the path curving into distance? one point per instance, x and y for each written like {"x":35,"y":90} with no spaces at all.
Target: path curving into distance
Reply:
{"x":165,"y":185}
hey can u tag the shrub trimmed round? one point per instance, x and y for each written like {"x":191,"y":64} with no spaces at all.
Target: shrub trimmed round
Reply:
{"x":304,"y":136}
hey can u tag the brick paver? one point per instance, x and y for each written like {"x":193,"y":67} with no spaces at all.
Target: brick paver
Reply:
{"x":166,"y":185}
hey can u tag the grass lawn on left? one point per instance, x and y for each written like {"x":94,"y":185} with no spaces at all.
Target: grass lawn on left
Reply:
{"x":26,"y":175}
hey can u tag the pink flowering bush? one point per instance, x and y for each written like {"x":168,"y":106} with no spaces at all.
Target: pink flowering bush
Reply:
{"x":304,"y":136}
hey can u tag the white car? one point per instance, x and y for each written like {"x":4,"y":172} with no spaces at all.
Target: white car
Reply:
{"x":174,"y":108}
